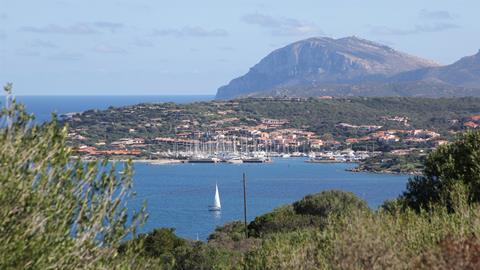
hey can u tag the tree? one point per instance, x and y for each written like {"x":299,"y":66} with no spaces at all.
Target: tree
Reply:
{"x":282,"y":219}
{"x":161,"y":242}
{"x":56,"y":212}
{"x":449,"y":165}
{"x":329,"y":202}
{"x":311,"y":211}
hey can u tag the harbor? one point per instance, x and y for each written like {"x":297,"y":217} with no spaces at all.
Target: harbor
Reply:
{"x":344,"y":156}
{"x":232,"y":153}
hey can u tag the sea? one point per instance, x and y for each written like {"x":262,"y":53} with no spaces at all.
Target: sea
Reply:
{"x":178,"y":195}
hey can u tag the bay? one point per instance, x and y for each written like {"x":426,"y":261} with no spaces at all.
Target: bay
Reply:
{"x":178,"y":195}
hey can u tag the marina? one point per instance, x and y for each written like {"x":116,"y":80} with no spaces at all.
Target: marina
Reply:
{"x":228,"y":153}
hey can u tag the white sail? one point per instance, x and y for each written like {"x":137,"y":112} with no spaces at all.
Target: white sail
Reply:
{"x":216,"y":203}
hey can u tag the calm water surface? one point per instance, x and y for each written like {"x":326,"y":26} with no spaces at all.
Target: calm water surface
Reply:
{"x":178,"y":195}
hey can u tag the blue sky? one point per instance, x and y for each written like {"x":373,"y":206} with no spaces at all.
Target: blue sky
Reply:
{"x":146,"y":47}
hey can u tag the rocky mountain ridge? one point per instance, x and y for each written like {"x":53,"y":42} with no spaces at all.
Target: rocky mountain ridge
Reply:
{"x":352,"y":66}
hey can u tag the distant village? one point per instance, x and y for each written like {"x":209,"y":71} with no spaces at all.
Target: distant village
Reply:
{"x":226,"y":139}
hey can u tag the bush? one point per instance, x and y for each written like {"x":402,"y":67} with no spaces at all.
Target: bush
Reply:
{"x":201,"y":256}
{"x":282,"y":219}
{"x":452,"y":254}
{"x":457,"y":162}
{"x":57,"y":213}
{"x":310,"y":212}
{"x":300,"y":249}
{"x":329,"y":202}
{"x":392,"y":206}
{"x":161,"y":242}
{"x":232,"y":231}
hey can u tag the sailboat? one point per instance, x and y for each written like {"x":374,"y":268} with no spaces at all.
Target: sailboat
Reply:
{"x":216,"y":203}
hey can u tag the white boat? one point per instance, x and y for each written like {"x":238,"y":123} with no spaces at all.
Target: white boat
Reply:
{"x":216,"y":203}
{"x":234,"y":161}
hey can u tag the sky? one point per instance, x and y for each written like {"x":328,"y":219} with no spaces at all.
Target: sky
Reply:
{"x":147,"y":47}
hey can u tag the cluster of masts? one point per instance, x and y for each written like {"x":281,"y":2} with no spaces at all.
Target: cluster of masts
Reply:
{"x":228,"y":151}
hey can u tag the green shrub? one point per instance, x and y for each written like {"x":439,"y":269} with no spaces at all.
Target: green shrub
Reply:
{"x":393,"y":206}
{"x":452,"y":254}
{"x":301,"y":249}
{"x":161,"y":243}
{"x":457,"y":162}
{"x":202,"y":257}
{"x":232,"y":231}
{"x":311,"y":211}
{"x":58,"y":213}
{"x":384,"y":241}
{"x":282,"y":219}
{"x":329,"y":202}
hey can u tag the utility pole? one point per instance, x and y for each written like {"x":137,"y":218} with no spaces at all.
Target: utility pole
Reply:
{"x":245,"y":204}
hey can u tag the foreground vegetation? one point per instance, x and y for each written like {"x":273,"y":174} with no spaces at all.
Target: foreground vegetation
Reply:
{"x":55,"y":213}
{"x":60,"y":214}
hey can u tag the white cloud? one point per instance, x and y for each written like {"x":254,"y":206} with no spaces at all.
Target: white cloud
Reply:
{"x":417,"y":29}
{"x":143,"y":43}
{"x":435,"y":15}
{"x":38,"y":43}
{"x":66,"y":56}
{"x":110,"y":26}
{"x":29,"y":53}
{"x":107,"y":48}
{"x":74,"y":29}
{"x":226,"y":48}
{"x":282,"y":26}
{"x":188,"y":31}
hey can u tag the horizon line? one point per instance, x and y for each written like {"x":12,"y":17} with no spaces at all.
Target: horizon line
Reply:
{"x":107,"y":95}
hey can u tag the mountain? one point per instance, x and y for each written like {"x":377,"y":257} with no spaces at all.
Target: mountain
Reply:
{"x":463,"y":73}
{"x":318,"y":62}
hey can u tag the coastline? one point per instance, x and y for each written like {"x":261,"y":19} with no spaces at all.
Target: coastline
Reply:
{"x":158,"y":161}
{"x":166,"y":161}
{"x":357,"y":169}
{"x":145,"y":161}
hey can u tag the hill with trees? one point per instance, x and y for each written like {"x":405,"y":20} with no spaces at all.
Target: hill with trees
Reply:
{"x":321,"y":116}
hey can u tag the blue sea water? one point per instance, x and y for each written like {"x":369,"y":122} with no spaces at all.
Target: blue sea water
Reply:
{"x":178,"y":195}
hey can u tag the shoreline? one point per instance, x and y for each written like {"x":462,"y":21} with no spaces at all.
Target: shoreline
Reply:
{"x":145,"y":161}
{"x":166,"y":161}
{"x":158,"y":161}
{"x":383,"y":172}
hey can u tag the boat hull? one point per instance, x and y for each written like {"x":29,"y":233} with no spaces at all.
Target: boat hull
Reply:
{"x":202,"y":161}
{"x":324,"y":161}
{"x":235,"y":161}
